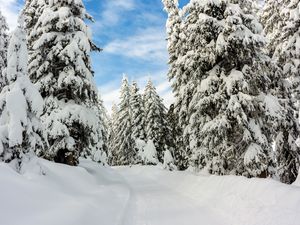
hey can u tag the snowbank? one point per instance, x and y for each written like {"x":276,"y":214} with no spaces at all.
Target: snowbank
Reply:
{"x":53,"y":194}
{"x":65,"y":195}
{"x":237,"y":200}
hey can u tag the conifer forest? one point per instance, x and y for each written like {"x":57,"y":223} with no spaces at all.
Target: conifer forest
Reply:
{"x":224,"y":151}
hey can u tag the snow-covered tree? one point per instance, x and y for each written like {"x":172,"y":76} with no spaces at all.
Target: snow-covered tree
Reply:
{"x":225,"y":76}
{"x":21,"y":105}
{"x":287,"y":52}
{"x":281,"y":28}
{"x":3,"y":48}
{"x":174,"y":138}
{"x":137,"y":113}
{"x":123,"y":144}
{"x":104,"y":123}
{"x":156,"y":121}
{"x":100,"y":152}
{"x":113,"y":125}
{"x":281,"y":21}
{"x":272,"y":22}
{"x":249,"y":6}
{"x":180,"y":72}
{"x":148,"y":155}
{"x":61,"y":68}
{"x":169,"y":163}
{"x":33,"y":9}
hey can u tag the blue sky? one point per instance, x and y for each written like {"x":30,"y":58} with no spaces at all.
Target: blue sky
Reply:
{"x":132,"y":35}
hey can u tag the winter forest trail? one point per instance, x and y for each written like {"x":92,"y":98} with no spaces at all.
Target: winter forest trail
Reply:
{"x":153,"y":203}
{"x":54,"y":194}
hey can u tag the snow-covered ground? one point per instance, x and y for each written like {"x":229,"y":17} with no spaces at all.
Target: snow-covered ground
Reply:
{"x":54,"y":194}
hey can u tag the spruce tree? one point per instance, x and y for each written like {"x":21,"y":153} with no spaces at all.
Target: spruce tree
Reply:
{"x":32,"y":12}
{"x":61,"y":67}
{"x":113,"y":135}
{"x":123,"y":146}
{"x":21,"y":105}
{"x":156,"y":121}
{"x":137,"y":115}
{"x":287,"y":51}
{"x":180,"y":74}
{"x":281,"y":31}
{"x":33,"y":9}
{"x":225,"y":70}
{"x":103,"y":135}
{"x":272,"y":22}
{"x":175,"y":140}
{"x":3,"y":48}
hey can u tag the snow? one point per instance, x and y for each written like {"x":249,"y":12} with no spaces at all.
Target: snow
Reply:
{"x":297,"y":182}
{"x":149,"y":153}
{"x":169,"y":161}
{"x":18,"y":115}
{"x":55,"y":194}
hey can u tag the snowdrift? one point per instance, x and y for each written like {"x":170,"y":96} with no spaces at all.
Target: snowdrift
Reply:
{"x":54,"y":194}
{"x":64,"y":195}
{"x":238,"y":200}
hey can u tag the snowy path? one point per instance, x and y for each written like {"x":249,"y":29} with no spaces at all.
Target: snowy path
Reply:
{"x":152,"y":203}
{"x":55,"y":194}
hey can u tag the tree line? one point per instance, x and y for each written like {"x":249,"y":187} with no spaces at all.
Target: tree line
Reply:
{"x":138,"y":121}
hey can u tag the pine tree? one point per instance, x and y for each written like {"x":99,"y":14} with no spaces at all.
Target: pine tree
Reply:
{"x":33,"y":9}
{"x":169,"y":161}
{"x":123,"y":146}
{"x":272,"y":22}
{"x":149,"y":154}
{"x":112,"y":134}
{"x":103,"y":131}
{"x":180,"y":73}
{"x":156,"y":122}
{"x":287,"y":51}
{"x":249,"y":6}
{"x":282,"y":48}
{"x":3,"y":48}
{"x":61,"y":67}
{"x":225,"y":71}
{"x":175,"y":140}
{"x":21,"y":105}
{"x":137,"y":115}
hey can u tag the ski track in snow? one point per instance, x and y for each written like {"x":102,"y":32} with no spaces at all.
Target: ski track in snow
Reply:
{"x":153,"y":203}
{"x":140,"y":195}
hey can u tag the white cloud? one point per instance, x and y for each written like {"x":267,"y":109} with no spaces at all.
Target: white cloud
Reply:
{"x":113,"y":11}
{"x":149,"y":44}
{"x":10,"y":9}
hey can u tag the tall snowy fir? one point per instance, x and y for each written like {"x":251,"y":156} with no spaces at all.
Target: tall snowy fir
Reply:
{"x":3,"y":48}
{"x":156,"y":121}
{"x":123,"y":143}
{"x":113,"y":126}
{"x":276,"y":17}
{"x":226,"y":64}
{"x":102,"y":151}
{"x":179,"y":74}
{"x":21,"y":105}
{"x":174,"y":140}
{"x":137,"y":115}
{"x":286,"y":39}
{"x":272,"y":21}
{"x":61,"y":68}
{"x":33,"y":9}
